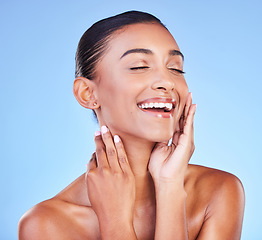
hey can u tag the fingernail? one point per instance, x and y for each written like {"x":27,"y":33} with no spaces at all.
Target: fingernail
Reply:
{"x":97,"y":133}
{"x":116,"y":139}
{"x":104,"y":129}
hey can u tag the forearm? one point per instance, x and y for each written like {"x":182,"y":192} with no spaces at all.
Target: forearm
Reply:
{"x":171,"y":212}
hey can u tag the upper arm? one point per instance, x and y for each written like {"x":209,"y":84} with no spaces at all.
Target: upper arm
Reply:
{"x":28,"y":227}
{"x":224,"y":214}
{"x":37,"y":224}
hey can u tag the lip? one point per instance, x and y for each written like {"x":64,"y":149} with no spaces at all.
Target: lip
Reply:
{"x":159,"y":100}
{"x":158,"y":114}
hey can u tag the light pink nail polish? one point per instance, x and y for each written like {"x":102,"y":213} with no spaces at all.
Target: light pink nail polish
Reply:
{"x":97,"y":133}
{"x":104,"y":129}
{"x":116,"y":139}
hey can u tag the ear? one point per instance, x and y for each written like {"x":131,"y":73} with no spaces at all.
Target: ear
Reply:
{"x":84,"y":93}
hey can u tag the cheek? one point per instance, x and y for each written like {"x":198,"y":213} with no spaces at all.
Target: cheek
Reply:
{"x":184,"y":93}
{"x":182,"y":90}
{"x":114,"y":100}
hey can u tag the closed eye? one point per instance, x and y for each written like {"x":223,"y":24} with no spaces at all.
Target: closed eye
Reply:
{"x":138,"y":68}
{"x":177,"y":70}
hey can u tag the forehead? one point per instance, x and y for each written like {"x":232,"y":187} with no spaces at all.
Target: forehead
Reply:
{"x":143,"y":35}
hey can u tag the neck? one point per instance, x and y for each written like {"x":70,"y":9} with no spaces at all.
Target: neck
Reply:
{"x":138,"y":154}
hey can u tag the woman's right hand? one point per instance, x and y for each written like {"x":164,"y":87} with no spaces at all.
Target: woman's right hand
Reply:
{"x":110,"y":182}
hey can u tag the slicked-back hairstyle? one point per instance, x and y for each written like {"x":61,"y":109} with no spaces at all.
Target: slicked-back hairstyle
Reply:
{"x":93,"y":43}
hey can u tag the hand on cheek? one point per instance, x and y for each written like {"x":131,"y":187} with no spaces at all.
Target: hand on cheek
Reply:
{"x":169,"y":163}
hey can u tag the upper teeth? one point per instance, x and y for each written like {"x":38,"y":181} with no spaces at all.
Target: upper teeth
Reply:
{"x":169,"y":106}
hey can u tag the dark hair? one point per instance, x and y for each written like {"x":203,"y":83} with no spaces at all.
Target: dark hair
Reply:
{"x":93,"y":43}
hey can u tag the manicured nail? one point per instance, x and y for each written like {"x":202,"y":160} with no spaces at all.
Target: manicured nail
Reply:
{"x":104,"y":129}
{"x":116,"y":139}
{"x":97,"y":133}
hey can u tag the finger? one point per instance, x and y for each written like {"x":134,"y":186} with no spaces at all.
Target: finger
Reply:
{"x":110,"y":149}
{"x":122,"y":157}
{"x":184,"y":114}
{"x":92,"y":163}
{"x":178,"y":130}
{"x":188,"y":128}
{"x":176,"y":138}
{"x":188,"y":104}
{"x":181,"y":123}
{"x":101,"y":157}
{"x":165,"y":143}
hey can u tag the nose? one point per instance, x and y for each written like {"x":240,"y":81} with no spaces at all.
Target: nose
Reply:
{"x":163,"y":82}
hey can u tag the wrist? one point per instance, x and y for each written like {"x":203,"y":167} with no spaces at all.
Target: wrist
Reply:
{"x":168,"y":183}
{"x":117,"y":230}
{"x":170,"y":189}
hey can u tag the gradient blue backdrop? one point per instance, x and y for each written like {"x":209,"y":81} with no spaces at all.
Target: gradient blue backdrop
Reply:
{"x":47,"y":137}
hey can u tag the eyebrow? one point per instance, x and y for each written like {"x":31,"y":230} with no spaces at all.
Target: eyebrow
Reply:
{"x":148,"y":51}
{"x":137,"y":50}
{"x":176,"y":52}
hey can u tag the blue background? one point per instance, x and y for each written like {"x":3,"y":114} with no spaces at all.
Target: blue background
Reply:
{"x":47,"y":137}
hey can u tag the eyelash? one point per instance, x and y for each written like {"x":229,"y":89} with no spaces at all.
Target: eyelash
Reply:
{"x":177,"y":70}
{"x":145,"y":67}
{"x":137,"y":68}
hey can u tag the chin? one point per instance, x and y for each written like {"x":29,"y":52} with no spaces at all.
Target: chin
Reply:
{"x":162,"y":139}
{"x":159,"y":136}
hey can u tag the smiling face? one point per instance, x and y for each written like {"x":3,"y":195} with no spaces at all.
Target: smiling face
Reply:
{"x":140,"y":85}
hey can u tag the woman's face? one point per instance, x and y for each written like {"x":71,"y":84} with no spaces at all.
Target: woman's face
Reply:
{"x":140,"y":87}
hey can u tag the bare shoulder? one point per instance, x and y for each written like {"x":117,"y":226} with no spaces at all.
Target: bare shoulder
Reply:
{"x":214,"y":181}
{"x":66,"y":216}
{"x":43,"y":221}
{"x":216,"y":194}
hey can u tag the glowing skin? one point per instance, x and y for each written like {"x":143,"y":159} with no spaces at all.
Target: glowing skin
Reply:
{"x":136,"y":186}
{"x":123,"y":81}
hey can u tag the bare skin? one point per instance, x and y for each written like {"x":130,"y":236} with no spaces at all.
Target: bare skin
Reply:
{"x":136,"y":185}
{"x":69,"y":215}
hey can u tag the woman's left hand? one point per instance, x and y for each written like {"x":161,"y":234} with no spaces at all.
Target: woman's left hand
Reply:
{"x":169,"y":163}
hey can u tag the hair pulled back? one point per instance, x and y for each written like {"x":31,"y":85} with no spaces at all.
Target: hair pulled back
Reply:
{"x":93,"y":43}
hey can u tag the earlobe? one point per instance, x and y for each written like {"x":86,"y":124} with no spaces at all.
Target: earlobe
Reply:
{"x":84,"y":93}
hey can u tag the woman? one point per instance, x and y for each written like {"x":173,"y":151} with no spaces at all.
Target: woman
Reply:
{"x":138,"y":184}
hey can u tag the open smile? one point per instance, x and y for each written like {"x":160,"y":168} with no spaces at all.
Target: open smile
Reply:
{"x":158,"y":107}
